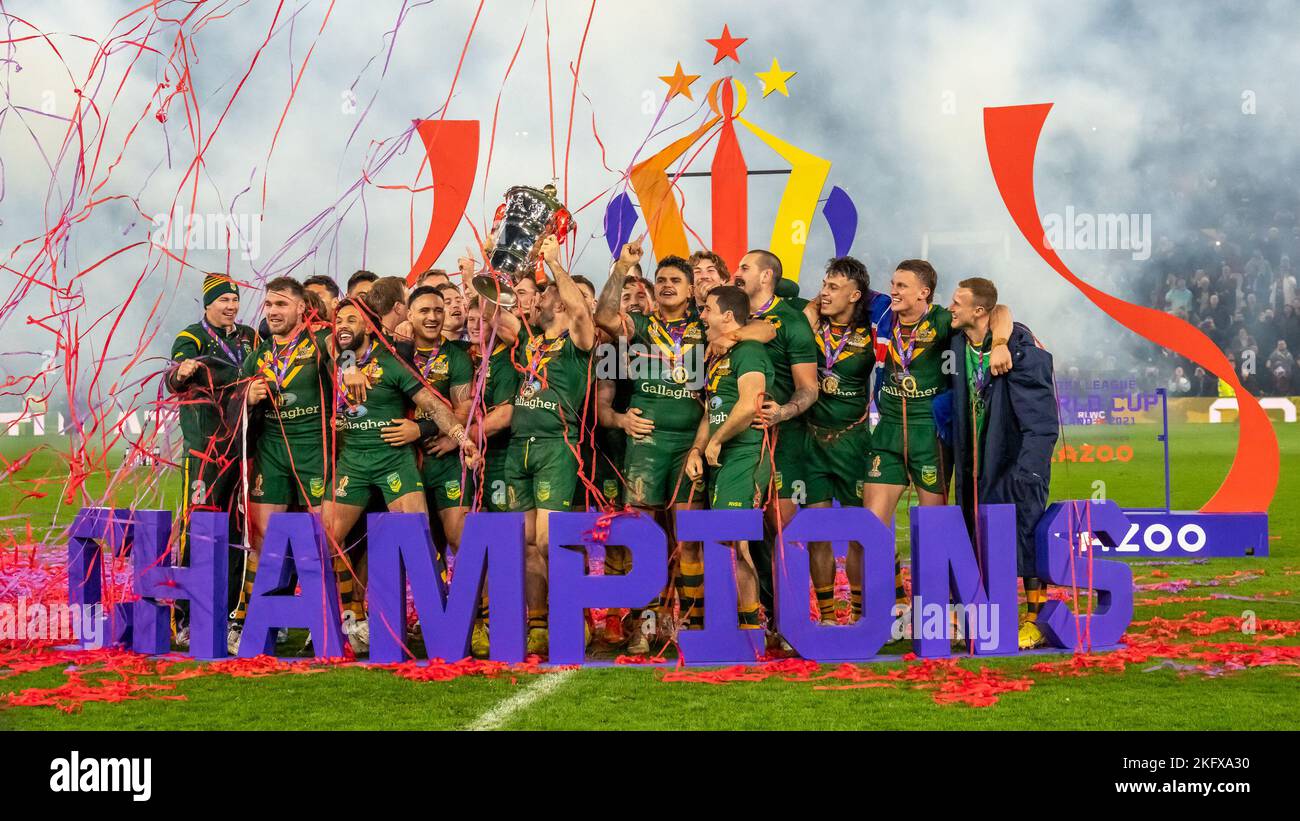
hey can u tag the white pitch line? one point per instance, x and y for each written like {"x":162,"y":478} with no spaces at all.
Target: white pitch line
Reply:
{"x":505,"y":710}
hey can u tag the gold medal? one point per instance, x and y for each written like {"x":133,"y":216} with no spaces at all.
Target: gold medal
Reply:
{"x":528,"y":390}
{"x":831,"y":384}
{"x":681,"y":375}
{"x":909,"y":384}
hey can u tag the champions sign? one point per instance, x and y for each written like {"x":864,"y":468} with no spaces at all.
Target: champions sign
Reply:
{"x":950,"y":575}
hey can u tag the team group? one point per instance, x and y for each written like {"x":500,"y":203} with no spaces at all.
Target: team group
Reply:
{"x":695,"y":387}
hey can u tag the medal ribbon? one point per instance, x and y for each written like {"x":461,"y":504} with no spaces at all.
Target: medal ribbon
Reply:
{"x":231,"y":356}
{"x":904,"y":356}
{"x":341,"y":398}
{"x":827,"y":339}
{"x":428,"y":363}
{"x":673,"y":333}
{"x":538,"y":348}
{"x":279,"y":368}
{"x":766,"y":307}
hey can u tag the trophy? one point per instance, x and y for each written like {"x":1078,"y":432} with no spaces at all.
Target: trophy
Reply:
{"x":527,"y":217}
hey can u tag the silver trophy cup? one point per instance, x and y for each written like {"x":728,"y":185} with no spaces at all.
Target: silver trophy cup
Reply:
{"x":529,"y":215}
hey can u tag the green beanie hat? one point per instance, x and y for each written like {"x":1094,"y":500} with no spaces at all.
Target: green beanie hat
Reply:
{"x":215,"y":285}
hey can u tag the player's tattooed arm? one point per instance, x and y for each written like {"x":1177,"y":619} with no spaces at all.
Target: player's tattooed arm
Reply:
{"x":460,"y":406}
{"x":805,"y":394}
{"x":445,"y":418}
{"x":750,"y":387}
{"x":609,"y":316}
{"x":582,"y":328}
{"x":1000,"y":324}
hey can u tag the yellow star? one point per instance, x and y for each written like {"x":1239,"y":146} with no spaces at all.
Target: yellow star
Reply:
{"x":680,"y":83}
{"x":774,"y":79}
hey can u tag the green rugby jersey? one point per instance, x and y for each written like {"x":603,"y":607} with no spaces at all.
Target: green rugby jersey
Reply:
{"x":844,"y":386}
{"x":444,"y":367}
{"x":723,"y":387}
{"x":299,"y":376}
{"x":794,"y":345}
{"x":500,"y":384}
{"x":931,"y":336}
{"x":665,"y":375}
{"x":392,"y":384}
{"x":209,"y":390}
{"x":552,"y":388}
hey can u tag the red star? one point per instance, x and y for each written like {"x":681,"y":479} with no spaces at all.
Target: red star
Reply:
{"x":726,"y":45}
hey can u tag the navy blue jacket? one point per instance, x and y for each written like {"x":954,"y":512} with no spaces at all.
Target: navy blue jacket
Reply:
{"x":1020,"y":435}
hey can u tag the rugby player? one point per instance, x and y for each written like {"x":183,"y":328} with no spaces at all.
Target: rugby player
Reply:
{"x":546,"y":427}
{"x":838,"y":424}
{"x":325,"y":288}
{"x":288,"y":385}
{"x":360,"y":283}
{"x":905,"y":445}
{"x":726,"y":441}
{"x":367,"y":462}
{"x":453,"y":323}
{"x":792,"y":392}
{"x":709,"y":271}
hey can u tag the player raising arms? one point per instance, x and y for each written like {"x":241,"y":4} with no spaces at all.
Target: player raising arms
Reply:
{"x":838,"y":423}
{"x":366,"y":462}
{"x":542,"y":460}
{"x":738,"y":468}
{"x":906,"y":448}
{"x":289,"y":384}
{"x":664,"y":412}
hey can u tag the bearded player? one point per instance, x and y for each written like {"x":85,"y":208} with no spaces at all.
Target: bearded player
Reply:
{"x":838,"y":423}
{"x":791,"y":392}
{"x":366,"y":462}
{"x":288,"y":385}
{"x":726,"y":441}
{"x":546,"y":426}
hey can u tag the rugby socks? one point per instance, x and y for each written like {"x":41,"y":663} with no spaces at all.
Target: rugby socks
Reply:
{"x":748,"y":614}
{"x":483,"y":609}
{"x":246,"y":591}
{"x":1035,"y":598}
{"x":536,"y":620}
{"x":690,"y":594}
{"x":347,"y":582}
{"x":900,"y":590}
{"x":855,"y":600}
{"x":826,"y":602}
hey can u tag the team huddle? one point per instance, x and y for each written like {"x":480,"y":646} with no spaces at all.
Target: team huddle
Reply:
{"x":697,"y":387}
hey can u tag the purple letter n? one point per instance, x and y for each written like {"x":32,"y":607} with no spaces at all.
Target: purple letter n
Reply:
{"x":945,"y":567}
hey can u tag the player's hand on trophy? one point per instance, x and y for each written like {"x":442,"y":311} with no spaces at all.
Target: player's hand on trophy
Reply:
{"x":187,"y":369}
{"x":711,"y":452}
{"x":999,"y":360}
{"x":551,"y":249}
{"x":768,"y":415}
{"x":467,"y":265}
{"x":694,"y":465}
{"x":257,"y":391}
{"x":401,"y":432}
{"x":356,"y":382}
{"x":634,"y":424}
{"x":631,"y":253}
